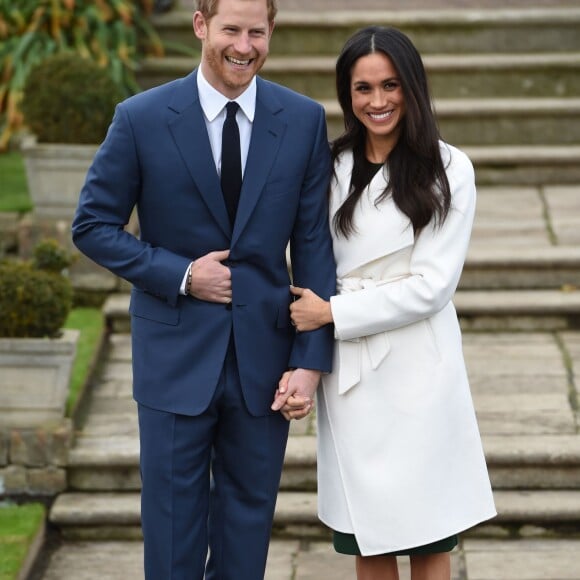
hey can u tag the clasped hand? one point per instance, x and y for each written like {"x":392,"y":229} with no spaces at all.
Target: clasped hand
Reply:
{"x":294,"y":397}
{"x":210,"y":279}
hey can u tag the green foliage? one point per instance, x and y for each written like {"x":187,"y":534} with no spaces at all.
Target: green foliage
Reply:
{"x":13,"y":183}
{"x":19,"y":524}
{"x":91,"y":323}
{"x":69,"y":99}
{"x":50,"y":255}
{"x":34,"y":302}
{"x":113,"y":33}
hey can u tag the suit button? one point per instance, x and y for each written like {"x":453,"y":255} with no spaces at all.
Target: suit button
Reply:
{"x":229,"y":306}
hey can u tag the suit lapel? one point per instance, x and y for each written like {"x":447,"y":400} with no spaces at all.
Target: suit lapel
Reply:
{"x":190,"y":135}
{"x":267,"y":133}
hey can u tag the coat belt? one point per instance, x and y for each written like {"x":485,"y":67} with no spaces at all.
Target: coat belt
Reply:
{"x":350,"y":351}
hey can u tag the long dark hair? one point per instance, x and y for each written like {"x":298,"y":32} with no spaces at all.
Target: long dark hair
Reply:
{"x":417,"y":179}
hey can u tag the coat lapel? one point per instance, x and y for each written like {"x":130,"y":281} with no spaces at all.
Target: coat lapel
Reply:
{"x":267,"y":133}
{"x":190,"y":135}
{"x":381,"y":229}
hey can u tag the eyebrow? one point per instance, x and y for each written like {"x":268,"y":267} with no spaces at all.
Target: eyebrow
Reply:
{"x":364,"y":82}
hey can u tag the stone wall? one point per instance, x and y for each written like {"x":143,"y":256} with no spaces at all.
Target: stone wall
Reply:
{"x":33,"y":460}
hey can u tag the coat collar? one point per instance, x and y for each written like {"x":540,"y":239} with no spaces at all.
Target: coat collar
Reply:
{"x":381,"y":229}
{"x":190,"y":134}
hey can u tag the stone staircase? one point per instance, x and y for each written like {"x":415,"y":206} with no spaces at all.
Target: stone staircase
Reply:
{"x":505,"y":81}
{"x":507,"y":90}
{"x":526,"y":394}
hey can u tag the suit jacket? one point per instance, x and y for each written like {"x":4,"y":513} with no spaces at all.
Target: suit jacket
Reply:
{"x":157,"y":157}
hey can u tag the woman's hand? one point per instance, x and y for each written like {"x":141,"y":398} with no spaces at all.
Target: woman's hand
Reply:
{"x":310,"y":311}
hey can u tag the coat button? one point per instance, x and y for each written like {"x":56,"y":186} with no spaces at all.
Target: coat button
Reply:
{"x":229,"y":306}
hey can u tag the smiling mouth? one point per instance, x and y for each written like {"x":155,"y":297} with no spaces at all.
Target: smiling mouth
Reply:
{"x":239,"y":62}
{"x":380,"y":116}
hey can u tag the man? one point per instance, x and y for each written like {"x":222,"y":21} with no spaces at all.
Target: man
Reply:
{"x":210,"y":302}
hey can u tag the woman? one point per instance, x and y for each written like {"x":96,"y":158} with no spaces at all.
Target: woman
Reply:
{"x":400,"y":464}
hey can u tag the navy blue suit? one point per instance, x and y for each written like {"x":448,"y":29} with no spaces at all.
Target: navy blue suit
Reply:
{"x":195,"y":362}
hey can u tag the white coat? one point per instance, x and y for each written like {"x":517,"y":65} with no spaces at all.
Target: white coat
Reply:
{"x":400,"y":461}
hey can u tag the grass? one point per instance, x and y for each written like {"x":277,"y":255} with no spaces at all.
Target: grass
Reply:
{"x":91,"y":324}
{"x":14,"y":196}
{"x":19,"y":525}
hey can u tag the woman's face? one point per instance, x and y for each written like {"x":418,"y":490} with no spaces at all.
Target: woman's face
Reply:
{"x":377,"y":98}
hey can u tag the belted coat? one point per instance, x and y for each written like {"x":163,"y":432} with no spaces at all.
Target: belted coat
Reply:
{"x":400,"y":460}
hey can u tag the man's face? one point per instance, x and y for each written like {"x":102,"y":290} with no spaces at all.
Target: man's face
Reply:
{"x":235,"y":43}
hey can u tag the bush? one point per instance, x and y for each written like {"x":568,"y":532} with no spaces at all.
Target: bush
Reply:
{"x":69,"y":99}
{"x":114,"y":33}
{"x":35,"y":295}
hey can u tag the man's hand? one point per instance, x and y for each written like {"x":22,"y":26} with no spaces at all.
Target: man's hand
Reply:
{"x":294,"y":397}
{"x":210,"y":279}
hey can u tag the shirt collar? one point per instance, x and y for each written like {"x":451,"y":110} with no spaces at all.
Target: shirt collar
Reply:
{"x":212,"y":101}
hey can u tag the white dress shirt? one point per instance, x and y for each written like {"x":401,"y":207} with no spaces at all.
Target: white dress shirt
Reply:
{"x":213,"y":105}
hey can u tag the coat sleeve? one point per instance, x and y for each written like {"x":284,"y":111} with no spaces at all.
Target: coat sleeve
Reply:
{"x":436,"y":264}
{"x":312,"y":258}
{"x":106,"y":201}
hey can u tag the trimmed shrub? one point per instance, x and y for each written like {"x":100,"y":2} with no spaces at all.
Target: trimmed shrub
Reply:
{"x":69,"y":99}
{"x":35,"y":295}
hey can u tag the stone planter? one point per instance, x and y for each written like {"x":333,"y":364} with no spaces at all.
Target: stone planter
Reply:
{"x":34,"y":378}
{"x":56,"y":173}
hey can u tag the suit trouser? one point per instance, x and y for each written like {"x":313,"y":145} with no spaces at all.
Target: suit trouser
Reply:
{"x":183,"y":513}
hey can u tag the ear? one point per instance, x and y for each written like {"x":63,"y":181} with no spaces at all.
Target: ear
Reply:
{"x":272,"y":24}
{"x":199,"y":25}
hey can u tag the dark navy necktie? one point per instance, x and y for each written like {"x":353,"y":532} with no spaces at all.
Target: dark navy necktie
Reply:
{"x":231,"y":177}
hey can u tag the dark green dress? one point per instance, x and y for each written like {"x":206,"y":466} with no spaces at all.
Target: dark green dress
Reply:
{"x":347,"y":544}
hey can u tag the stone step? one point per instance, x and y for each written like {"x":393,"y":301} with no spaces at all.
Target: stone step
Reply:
{"x":117,"y":515}
{"x":521,"y":30}
{"x":514,"y":121}
{"x":522,"y":310}
{"x":540,"y":165}
{"x":488,"y":310}
{"x":113,"y":465}
{"x":515,"y":266}
{"x":510,"y":558}
{"x":450,"y":75}
{"x":514,"y":462}
{"x":547,"y":512}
